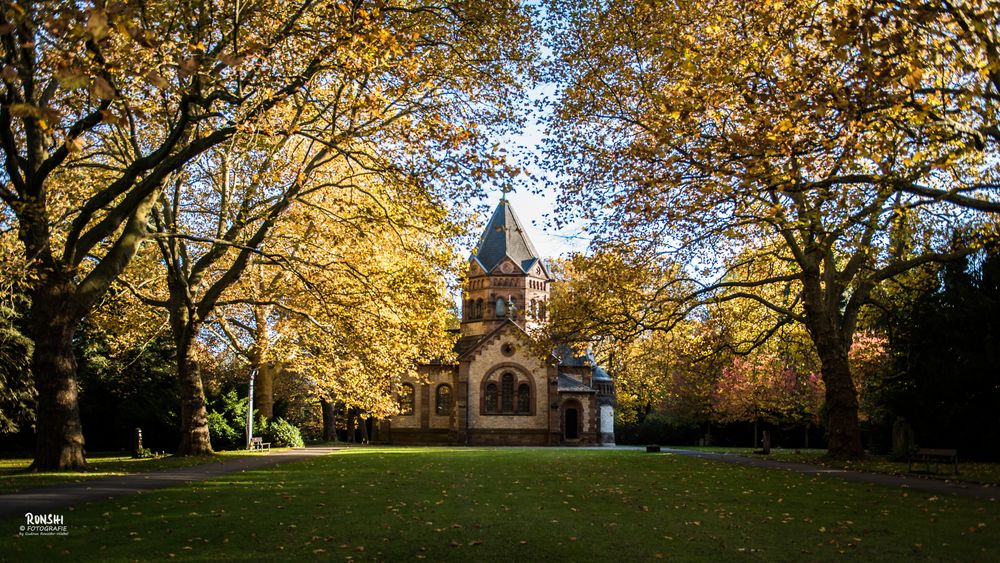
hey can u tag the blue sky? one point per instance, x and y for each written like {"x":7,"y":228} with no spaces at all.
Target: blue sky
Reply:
{"x":532,"y":207}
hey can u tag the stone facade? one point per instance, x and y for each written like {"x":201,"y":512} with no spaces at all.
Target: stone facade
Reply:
{"x":503,"y":390}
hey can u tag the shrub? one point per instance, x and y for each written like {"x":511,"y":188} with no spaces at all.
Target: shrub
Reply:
{"x":223,"y":435}
{"x":226,"y":421}
{"x":282,"y":434}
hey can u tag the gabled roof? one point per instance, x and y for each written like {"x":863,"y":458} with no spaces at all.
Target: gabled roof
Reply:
{"x":468,"y":345}
{"x":505,"y":236}
{"x":569,"y":385}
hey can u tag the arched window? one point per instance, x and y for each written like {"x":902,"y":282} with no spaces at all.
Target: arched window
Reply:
{"x":406,"y":395}
{"x":533,"y":308}
{"x":501,"y":308}
{"x":491,"y":397}
{"x":523,"y":398}
{"x":541,"y":310}
{"x":442,"y":399}
{"x":478,"y":313}
{"x":507,"y":392}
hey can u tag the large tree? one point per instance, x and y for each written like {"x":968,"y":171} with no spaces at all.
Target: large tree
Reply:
{"x":102,"y":105}
{"x":794,"y":154}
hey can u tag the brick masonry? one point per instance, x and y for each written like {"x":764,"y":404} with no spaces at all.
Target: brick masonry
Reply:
{"x":505,"y":267}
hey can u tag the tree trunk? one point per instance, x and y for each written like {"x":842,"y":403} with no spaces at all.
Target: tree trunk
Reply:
{"x":52,"y":323}
{"x":329,"y":421}
{"x":832,"y":339}
{"x":363,"y":423}
{"x":841,"y":397}
{"x":841,"y":407}
{"x":351,"y":432}
{"x":263,"y":389}
{"x":194,"y":413}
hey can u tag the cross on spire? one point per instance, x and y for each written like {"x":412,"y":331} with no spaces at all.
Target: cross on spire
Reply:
{"x":505,"y":189}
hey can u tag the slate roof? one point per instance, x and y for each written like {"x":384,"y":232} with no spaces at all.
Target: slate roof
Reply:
{"x":599,"y":374}
{"x":505,"y":236}
{"x":570,"y":358}
{"x":466,"y":343}
{"x":567,"y":383}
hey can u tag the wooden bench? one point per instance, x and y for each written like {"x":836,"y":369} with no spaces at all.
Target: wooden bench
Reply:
{"x":258,"y":443}
{"x":936,"y":456}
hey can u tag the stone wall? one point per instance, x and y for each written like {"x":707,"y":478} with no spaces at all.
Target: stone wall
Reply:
{"x":489,"y":363}
{"x":425,"y":415}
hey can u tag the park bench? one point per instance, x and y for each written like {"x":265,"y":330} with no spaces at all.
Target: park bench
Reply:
{"x":258,"y":443}
{"x":928,"y":456}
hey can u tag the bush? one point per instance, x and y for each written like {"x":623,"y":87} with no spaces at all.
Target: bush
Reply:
{"x":226,"y":421}
{"x":282,"y":434}
{"x":222,"y":434}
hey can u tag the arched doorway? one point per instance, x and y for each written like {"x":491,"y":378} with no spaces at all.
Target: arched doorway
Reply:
{"x":571,"y":423}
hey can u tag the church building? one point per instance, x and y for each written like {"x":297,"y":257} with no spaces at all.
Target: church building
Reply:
{"x":503,"y":389}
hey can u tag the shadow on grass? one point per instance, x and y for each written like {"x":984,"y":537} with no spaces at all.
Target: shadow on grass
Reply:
{"x":484,"y":504}
{"x":969,"y":472}
{"x":15,"y":476}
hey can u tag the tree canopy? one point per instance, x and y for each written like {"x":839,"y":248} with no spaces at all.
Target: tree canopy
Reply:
{"x":106,"y":105}
{"x":794,"y":154}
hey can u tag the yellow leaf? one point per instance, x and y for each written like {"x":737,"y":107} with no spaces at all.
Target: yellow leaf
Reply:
{"x":912,"y":80}
{"x":188,"y":67}
{"x":97,"y":24}
{"x":71,"y":78}
{"x":157,"y":80}
{"x":102,"y":88}
{"x":74,"y":145}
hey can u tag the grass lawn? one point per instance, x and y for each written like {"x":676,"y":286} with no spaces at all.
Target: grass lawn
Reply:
{"x":514,"y":504}
{"x":14,"y":475}
{"x":982,"y":473}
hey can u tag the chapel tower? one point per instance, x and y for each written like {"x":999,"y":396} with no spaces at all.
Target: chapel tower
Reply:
{"x":506,"y":278}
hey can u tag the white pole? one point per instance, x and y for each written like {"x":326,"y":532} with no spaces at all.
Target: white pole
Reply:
{"x":253,"y":375}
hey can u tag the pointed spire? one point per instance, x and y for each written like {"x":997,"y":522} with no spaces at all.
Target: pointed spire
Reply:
{"x":505,"y":237}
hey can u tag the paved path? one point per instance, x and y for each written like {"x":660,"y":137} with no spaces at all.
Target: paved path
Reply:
{"x":46,"y":500}
{"x":914,"y":482}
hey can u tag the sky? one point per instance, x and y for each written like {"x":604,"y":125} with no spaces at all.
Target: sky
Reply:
{"x":532,"y":207}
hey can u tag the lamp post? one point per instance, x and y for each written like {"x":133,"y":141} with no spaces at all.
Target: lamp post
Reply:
{"x":253,"y":375}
